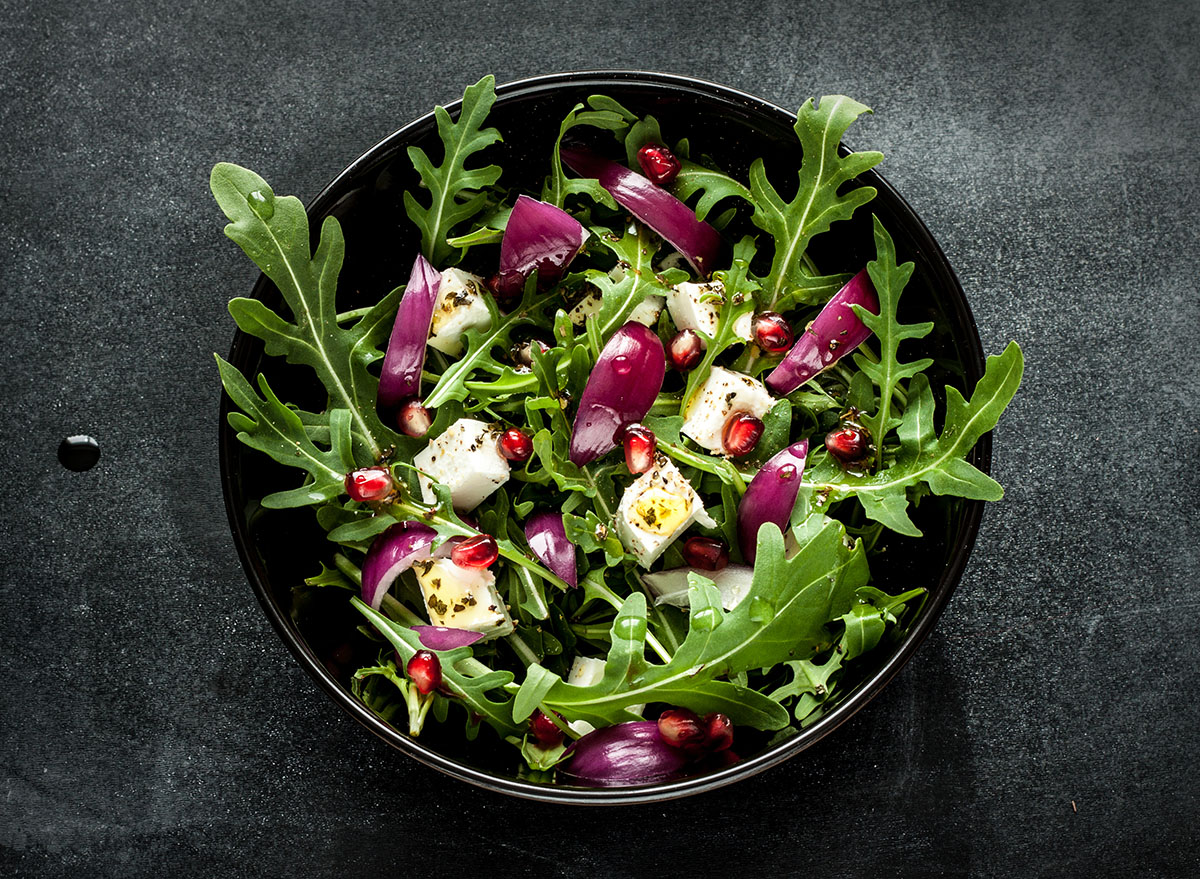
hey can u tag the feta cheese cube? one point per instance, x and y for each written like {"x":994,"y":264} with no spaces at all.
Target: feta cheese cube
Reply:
{"x":462,"y":598}
{"x":460,"y":307}
{"x":723,"y":393}
{"x":467,"y":460}
{"x":690,"y":311}
{"x":656,"y":509}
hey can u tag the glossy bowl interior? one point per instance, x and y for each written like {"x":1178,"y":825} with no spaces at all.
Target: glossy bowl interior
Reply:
{"x":276,"y":547}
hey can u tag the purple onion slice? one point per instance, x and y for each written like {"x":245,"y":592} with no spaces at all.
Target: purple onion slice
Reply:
{"x":400,"y":377}
{"x":835,"y":333}
{"x":548,"y":539}
{"x":538,"y":237}
{"x":391,"y":554}
{"x":623,"y":755}
{"x":770,"y":496}
{"x":621,"y":389}
{"x":699,"y":242}
{"x":444,"y":638}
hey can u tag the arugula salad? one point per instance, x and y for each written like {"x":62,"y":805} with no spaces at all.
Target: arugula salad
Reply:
{"x":608,"y":473}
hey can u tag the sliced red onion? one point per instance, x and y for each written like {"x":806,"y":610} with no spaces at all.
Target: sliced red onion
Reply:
{"x":548,"y":539}
{"x":443,"y":638}
{"x":835,"y":333}
{"x":770,"y":496}
{"x":391,"y":554}
{"x":538,"y":236}
{"x":699,"y":242}
{"x":405,"y":357}
{"x":623,"y":755}
{"x":671,"y":586}
{"x":621,"y":389}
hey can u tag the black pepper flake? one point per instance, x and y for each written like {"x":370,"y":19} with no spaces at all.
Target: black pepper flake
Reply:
{"x":459,"y":608}
{"x":470,"y":600}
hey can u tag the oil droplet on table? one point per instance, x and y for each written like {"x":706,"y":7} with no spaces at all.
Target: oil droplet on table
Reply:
{"x":262,"y":203}
{"x":78,"y":453}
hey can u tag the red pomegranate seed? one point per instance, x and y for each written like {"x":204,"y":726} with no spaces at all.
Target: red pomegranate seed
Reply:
{"x":849,"y":444}
{"x":742,"y":433}
{"x":658,"y":163}
{"x":718,"y":730}
{"x":772,"y":332}
{"x":369,"y":484}
{"x":683,"y":729}
{"x":544,"y":729}
{"x":480,"y":551}
{"x":515,"y":445}
{"x":640,"y":444}
{"x":425,"y":669}
{"x":685,"y":350}
{"x":706,"y":553}
{"x":413,"y":419}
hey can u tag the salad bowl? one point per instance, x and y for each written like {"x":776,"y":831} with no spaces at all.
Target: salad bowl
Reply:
{"x":367,"y":198}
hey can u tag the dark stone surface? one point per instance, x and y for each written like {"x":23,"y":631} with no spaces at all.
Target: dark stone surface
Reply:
{"x":150,"y":721}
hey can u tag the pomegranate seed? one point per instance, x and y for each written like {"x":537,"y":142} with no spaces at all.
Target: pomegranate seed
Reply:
{"x":742,"y":433}
{"x":425,"y":669}
{"x":772,"y":332}
{"x":848,"y":444}
{"x":658,"y":163}
{"x":369,"y":484}
{"x":515,"y":445}
{"x":640,"y":444}
{"x":718,"y":731}
{"x":475,"y":552}
{"x":413,"y":419}
{"x":685,"y":350}
{"x":706,"y":553}
{"x":506,"y":286}
{"x":544,"y":729}
{"x":683,"y":729}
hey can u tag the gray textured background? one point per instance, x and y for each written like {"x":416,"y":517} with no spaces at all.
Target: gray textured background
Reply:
{"x":150,"y":721}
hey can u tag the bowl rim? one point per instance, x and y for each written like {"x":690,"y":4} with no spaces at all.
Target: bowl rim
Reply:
{"x":941,"y":276}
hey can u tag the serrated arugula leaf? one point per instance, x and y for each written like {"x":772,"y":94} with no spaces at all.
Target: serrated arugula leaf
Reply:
{"x":474,"y":686}
{"x":558,"y":185}
{"x":634,"y":250}
{"x":267,"y":425}
{"x":937,"y":461}
{"x":783,"y":617}
{"x":714,"y":186}
{"x":889,"y":280}
{"x":818,"y":202}
{"x":454,"y":190}
{"x":273,"y":232}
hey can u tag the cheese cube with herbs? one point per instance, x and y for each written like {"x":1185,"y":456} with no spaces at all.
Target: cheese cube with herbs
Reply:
{"x":467,"y":460}
{"x":659,"y":506}
{"x":723,"y":393}
{"x":460,"y":307}
{"x":462,"y":598}
{"x":698,"y":307}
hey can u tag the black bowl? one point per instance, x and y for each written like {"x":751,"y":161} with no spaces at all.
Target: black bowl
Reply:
{"x":733,"y":128}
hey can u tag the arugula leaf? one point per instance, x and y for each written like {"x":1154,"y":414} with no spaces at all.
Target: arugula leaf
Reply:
{"x":782,"y":617}
{"x":275,"y":430}
{"x":467,"y":679}
{"x":634,"y":250}
{"x":889,"y":281}
{"x":454,"y":190}
{"x":936,"y":461}
{"x":558,"y":186}
{"x":273,"y":232}
{"x":818,"y":202}
{"x":713,"y":185}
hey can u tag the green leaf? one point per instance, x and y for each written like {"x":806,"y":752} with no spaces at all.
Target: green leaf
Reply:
{"x":936,"y":461}
{"x":713,"y":185}
{"x":818,"y":202}
{"x":537,"y":684}
{"x":273,"y":232}
{"x":454,"y":190}
{"x":268,"y":426}
{"x":889,"y":280}
{"x":634,"y":251}
{"x":558,"y":186}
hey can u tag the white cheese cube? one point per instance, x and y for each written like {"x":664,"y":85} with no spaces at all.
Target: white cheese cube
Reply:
{"x":462,"y":598}
{"x":467,"y":460}
{"x":645,"y":312}
{"x":671,"y":587}
{"x":656,"y":509}
{"x":460,"y":307}
{"x":691,"y":311}
{"x":723,"y":393}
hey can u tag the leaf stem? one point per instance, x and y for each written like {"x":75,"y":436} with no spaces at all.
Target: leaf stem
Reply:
{"x":718,"y":467}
